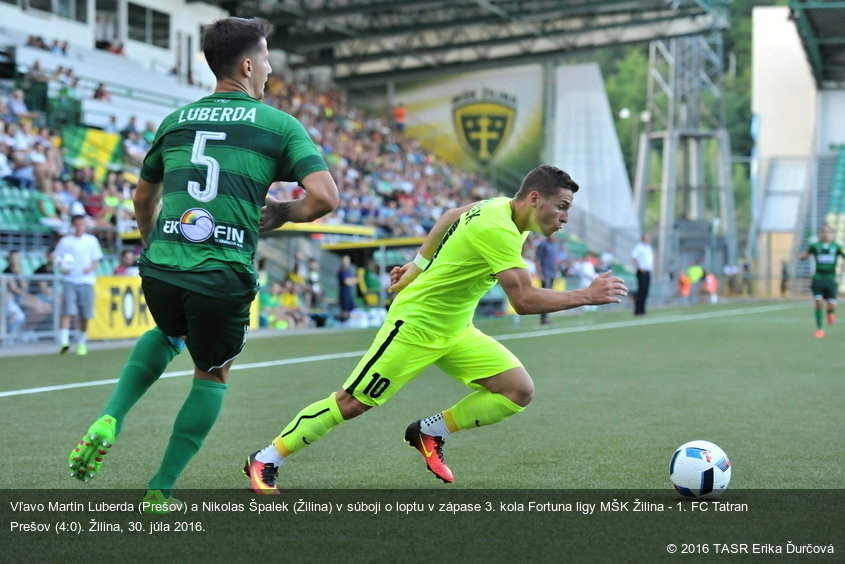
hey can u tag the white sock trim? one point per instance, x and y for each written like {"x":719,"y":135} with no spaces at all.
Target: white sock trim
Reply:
{"x":434,"y":426}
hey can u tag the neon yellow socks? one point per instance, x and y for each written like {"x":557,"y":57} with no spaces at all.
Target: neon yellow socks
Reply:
{"x":309,"y":426}
{"x":479,"y":408}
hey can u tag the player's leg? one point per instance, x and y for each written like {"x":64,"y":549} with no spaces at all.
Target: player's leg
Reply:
{"x":503,"y":388}
{"x":394,"y":359}
{"x":308,"y":426}
{"x":830,"y":298}
{"x":216,"y":334}
{"x":817,"y":288}
{"x":69,"y":309}
{"x":147,"y":361}
{"x":86,"y":313}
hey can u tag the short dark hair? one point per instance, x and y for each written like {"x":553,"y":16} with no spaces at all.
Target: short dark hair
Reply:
{"x":548,"y":180}
{"x":227,"y":41}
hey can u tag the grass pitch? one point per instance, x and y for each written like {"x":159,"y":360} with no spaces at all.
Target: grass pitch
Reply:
{"x":614,"y":397}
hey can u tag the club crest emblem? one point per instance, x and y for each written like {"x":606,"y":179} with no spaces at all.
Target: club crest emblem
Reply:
{"x":483,"y":121}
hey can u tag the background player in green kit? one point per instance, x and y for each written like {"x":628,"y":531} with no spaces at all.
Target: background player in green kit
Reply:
{"x":826,"y":254}
{"x":200,"y":204}
{"x":430,"y":322}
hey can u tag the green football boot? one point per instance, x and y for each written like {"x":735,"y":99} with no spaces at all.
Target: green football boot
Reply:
{"x":86,"y":458}
{"x":157,"y":503}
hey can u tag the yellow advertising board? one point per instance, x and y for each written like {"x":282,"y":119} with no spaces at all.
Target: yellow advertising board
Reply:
{"x":120,"y":311}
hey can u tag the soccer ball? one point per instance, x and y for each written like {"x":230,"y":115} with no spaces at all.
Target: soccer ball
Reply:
{"x":66,"y":263}
{"x":700,"y":469}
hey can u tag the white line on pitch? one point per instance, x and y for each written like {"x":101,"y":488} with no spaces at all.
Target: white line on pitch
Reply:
{"x":505,"y":337}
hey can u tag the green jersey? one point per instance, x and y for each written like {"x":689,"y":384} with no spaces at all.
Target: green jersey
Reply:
{"x":826,"y":256}
{"x":483,"y":242}
{"x":216,"y":159}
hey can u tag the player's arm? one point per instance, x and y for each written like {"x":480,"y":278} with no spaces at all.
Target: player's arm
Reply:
{"x":401,"y":276}
{"x":147,"y":199}
{"x":321,"y":197}
{"x":92,"y":267}
{"x":527,"y":299}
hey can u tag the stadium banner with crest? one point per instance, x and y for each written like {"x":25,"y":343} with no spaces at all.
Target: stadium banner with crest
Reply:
{"x":120,"y":311}
{"x":489,"y":121}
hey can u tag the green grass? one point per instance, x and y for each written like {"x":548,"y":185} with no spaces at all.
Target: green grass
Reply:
{"x":612,"y":403}
{"x":615,"y":397}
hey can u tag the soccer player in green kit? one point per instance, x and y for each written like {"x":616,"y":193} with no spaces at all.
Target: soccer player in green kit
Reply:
{"x":467,"y":251}
{"x":826,"y":254}
{"x":200,"y":204}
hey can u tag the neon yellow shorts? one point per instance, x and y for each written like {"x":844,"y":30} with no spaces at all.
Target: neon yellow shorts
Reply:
{"x":401,"y":351}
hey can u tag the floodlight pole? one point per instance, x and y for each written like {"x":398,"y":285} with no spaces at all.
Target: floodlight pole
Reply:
{"x":686,"y":134}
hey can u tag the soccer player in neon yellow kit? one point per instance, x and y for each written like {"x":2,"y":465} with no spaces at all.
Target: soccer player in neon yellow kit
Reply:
{"x":467,"y":251}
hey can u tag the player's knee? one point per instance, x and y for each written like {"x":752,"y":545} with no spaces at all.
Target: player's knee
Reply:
{"x":525,"y":394}
{"x":522,"y":393}
{"x":349,"y":406}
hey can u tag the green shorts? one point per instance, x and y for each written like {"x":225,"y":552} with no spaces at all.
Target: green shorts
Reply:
{"x":215,"y":330}
{"x":824,"y":288}
{"x":401,"y":351}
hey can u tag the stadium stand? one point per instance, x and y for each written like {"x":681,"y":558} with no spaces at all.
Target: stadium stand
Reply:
{"x":387,"y":181}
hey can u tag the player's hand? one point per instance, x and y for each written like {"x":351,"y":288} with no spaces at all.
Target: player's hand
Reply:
{"x":401,"y":276}
{"x":606,"y":289}
{"x":274,"y":214}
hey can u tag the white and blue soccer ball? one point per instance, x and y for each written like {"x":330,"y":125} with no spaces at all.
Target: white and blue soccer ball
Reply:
{"x":700,"y":469}
{"x":66,"y":263}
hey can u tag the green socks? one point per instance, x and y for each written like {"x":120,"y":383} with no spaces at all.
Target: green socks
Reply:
{"x":819,"y":318}
{"x":149,"y":357}
{"x":309,"y":425}
{"x":194,"y":421}
{"x":480,"y":408}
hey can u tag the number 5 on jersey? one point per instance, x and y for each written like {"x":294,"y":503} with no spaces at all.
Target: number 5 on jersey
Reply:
{"x":212,"y":175}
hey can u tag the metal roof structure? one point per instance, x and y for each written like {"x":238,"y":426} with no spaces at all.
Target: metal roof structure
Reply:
{"x":821,"y":26}
{"x":369,"y":42}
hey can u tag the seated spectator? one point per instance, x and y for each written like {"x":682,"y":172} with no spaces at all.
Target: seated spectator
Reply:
{"x":111,"y":126}
{"x":19,"y":136}
{"x":23,"y":173}
{"x":131,"y":126}
{"x":60,"y":76}
{"x":36,"y":41}
{"x":15,"y":317}
{"x":149,"y":133}
{"x":85,"y":177}
{"x":35,"y":309}
{"x":18,"y":108}
{"x":48,"y":213}
{"x":128,"y":265}
{"x":281,"y":307}
{"x":44,"y":288}
{"x":5,"y":163}
{"x":290,"y":305}
{"x":56,"y":48}
{"x":134,"y":149}
{"x":68,"y":198}
{"x":102,"y":93}
{"x":36,"y":73}
{"x":71,"y":90}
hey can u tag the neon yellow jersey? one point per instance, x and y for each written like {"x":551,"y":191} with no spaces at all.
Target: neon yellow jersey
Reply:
{"x":482,"y":243}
